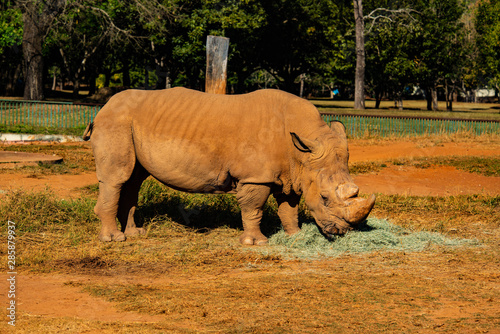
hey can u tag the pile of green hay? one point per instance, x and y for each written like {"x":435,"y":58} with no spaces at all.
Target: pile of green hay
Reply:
{"x":375,"y":235}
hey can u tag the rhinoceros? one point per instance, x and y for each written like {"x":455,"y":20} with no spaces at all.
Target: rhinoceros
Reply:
{"x":256,"y":144}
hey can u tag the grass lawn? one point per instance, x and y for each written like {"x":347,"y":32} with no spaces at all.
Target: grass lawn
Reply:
{"x":461,"y":110}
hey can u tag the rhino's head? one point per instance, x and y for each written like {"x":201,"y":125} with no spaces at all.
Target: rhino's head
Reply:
{"x":328,"y":189}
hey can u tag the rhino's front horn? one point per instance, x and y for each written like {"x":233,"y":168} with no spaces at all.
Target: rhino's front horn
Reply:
{"x":357,"y":209}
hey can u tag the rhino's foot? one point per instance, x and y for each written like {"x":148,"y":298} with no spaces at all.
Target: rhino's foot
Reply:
{"x":253,"y":239}
{"x":292,"y":230}
{"x":134,"y":231}
{"x":112,"y":236}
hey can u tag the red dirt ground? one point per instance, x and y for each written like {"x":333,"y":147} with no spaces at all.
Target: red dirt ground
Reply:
{"x":52,"y":296}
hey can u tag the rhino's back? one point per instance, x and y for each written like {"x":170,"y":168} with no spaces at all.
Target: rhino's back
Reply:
{"x":180,"y":134}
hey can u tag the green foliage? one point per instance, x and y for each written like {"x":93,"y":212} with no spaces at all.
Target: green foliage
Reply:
{"x":156,"y":43}
{"x":487,"y":23}
{"x":11,"y":33}
{"x":423,"y":45}
{"x":439,"y":28}
{"x":11,"y":28}
{"x":392,"y":53}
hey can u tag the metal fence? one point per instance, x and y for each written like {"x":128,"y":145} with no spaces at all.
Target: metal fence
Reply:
{"x":384,"y":126}
{"x":78,"y":115}
{"x":47,"y":114}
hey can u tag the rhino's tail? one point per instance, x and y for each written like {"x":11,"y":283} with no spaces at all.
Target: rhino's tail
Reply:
{"x":88,"y":131}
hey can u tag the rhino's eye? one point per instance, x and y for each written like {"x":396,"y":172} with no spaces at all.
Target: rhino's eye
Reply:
{"x":324,"y":198}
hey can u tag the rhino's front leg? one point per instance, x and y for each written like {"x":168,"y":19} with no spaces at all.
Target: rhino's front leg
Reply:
{"x":288,"y":211}
{"x":251,"y":198}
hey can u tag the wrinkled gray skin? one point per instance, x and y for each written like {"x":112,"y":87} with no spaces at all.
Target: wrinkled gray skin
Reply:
{"x":257,"y":144}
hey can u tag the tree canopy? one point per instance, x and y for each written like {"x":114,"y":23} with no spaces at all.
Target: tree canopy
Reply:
{"x":441,"y":46}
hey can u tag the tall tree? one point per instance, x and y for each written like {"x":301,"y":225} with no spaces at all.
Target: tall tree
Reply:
{"x":359,"y":82}
{"x":391,"y":49}
{"x":38,"y":17}
{"x":437,"y":39}
{"x":487,"y":23}
{"x":84,"y":32}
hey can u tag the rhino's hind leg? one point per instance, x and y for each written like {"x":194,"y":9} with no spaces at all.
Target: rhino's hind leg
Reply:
{"x":115,"y":161}
{"x":288,"y":211}
{"x":128,"y":201}
{"x":106,"y":208}
{"x":251,"y":198}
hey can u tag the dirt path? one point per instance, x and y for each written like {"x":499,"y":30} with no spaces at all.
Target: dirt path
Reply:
{"x":434,"y":181}
{"x":65,"y":185}
{"x":38,"y":294}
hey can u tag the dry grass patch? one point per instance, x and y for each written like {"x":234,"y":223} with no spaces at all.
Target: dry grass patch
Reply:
{"x":45,"y":226}
{"x":465,"y":215}
{"x":487,"y":166}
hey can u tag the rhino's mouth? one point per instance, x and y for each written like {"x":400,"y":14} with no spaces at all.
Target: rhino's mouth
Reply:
{"x":335,"y":227}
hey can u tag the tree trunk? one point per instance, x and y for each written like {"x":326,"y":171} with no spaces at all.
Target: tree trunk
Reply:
{"x":54,"y":80}
{"x":37,"y":19}
{"x":359,"y":82}
{"x":302,"y":77}
{"x":449,"y":97}
{"x":398,"y":102}
{"x":379,"y":94}
{"x":33,"y":61}
{"x":216,"y":74}
{"x":432,"y":99}
{"x":168,"y":80}
{"x":76,"y":87}
{"x":126,"y":72}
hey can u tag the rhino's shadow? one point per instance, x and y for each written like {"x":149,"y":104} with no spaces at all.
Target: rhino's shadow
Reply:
{"x":203,"y":213}
{"x":208,"y":213}
{"x":364,"y":227}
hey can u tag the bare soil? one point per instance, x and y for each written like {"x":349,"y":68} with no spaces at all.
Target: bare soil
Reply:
{"x":57,"y":302}
{"x":433,"y":181}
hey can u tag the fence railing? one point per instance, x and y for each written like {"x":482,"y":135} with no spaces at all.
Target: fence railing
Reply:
{"x":382,"y":125}
{"x":47,"y":114}
{"x":77,"y":115}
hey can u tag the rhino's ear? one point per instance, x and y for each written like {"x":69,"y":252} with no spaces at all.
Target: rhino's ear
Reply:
{"x":303,"y":144}
{"x":339,"y":128}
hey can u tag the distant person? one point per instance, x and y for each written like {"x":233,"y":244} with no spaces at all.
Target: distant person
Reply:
{"x":335,"y":93}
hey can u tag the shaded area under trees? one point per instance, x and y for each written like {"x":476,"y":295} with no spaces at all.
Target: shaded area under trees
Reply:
{"x":444,"y":48}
